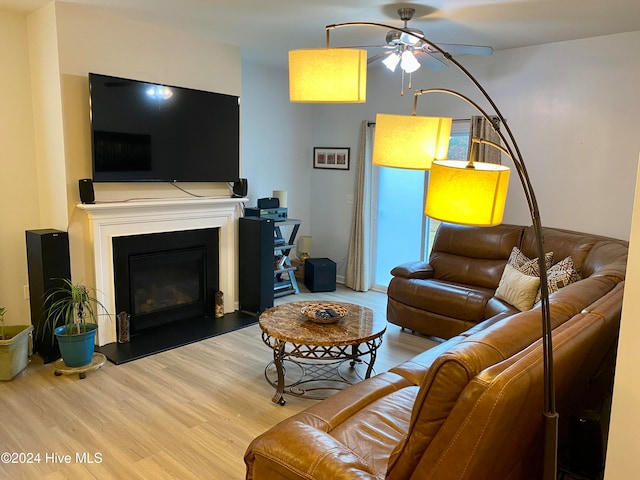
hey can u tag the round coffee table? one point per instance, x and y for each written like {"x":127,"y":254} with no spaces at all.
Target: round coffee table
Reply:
{"x":314,"y":355}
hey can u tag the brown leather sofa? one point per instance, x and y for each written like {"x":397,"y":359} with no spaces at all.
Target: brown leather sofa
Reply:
{"x":455,"y":290}
{"x":471,"y":407}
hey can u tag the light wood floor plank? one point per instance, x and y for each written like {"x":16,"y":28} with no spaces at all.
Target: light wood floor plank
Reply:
{"x":188,"y":413}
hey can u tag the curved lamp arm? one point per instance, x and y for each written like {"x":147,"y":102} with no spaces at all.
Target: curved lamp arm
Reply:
{"x":550,"y":415}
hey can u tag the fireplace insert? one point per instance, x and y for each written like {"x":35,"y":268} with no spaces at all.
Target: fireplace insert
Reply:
{"x":166,"y":277}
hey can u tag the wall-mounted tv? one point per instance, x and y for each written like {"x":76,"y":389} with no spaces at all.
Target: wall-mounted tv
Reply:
{"x":145,"y":132}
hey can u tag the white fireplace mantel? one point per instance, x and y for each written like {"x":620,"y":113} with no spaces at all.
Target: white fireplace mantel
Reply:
{"x":97,"y":224}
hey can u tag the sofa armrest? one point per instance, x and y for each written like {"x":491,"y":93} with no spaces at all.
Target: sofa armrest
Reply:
{"x":420,"y":270}
{"x":297,"y":450}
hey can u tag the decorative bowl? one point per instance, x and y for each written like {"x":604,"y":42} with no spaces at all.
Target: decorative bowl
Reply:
{"x":324,"y":312}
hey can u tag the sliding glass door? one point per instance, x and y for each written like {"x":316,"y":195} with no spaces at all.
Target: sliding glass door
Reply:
{"x":401,"y":232}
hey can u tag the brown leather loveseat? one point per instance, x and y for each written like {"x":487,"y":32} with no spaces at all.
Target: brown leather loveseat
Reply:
{"x":469,"y":408}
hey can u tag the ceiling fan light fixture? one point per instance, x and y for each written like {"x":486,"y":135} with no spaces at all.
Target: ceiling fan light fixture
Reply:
{"x":391,"y":61}
{"x":393,"y":37}
{"x":409,"y":62}
{"x":411,"y":39}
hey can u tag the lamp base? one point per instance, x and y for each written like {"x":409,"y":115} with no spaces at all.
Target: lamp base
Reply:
{"x":302,"y":256}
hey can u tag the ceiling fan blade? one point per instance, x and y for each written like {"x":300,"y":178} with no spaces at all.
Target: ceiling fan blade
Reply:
{"x":388,"y":47}
{"x":458,"y":49}
{"x":377,"y":57}
{"x":430,"y":61}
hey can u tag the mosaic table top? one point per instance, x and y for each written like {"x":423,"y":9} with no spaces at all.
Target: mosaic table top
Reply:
{"x":287,"y":323}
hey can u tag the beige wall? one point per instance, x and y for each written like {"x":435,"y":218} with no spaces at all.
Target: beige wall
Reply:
{"x":624,"y":447}
{"x":44,"y":132}
{"x":18,"y":192}
{"x":47,"y":108}
{"x":94,"y":41}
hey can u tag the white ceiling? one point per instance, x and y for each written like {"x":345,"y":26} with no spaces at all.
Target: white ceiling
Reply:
{"x":267,"y":29}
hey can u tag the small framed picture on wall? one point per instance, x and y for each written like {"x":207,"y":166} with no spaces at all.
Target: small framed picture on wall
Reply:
{"x":331,"y":158}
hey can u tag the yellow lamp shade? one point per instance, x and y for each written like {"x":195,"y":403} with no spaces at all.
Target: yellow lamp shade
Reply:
{"x":410,"y":141}
{"x":328,"y":75}
{"x":470,"y":196}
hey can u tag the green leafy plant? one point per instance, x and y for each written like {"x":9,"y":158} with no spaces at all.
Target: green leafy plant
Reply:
{"x":72,"y":305}
{"x":2,"y":310}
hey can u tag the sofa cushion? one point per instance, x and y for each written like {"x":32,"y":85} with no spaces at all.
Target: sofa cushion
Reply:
{"x":495,"y":429}
{"x":464,"y":302}
{"x":563,"y":243}
{"x":424,"y":321}
{"x":449,"y":374}
{"x":607,"y":258}
{"x":471,"y":255}
{"x":517,"y":288}
{"x":348,"y":435}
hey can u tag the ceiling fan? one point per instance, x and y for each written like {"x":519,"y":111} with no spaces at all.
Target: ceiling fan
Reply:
{"x":410,"y":52}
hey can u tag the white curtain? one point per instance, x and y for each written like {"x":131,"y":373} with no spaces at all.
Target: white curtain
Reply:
{"x":482,"y":128}
{"x":358,"y":273}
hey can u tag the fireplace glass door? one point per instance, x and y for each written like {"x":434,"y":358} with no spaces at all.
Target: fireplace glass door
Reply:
{"x":166,"y":277}
{"x":167,"y":286}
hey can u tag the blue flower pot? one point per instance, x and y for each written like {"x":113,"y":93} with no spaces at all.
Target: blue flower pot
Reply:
{"x":76,"y":349}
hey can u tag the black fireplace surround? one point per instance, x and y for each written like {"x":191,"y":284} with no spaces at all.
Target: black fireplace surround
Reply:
{"x":167,"y":282}
{"x":165,"y":277}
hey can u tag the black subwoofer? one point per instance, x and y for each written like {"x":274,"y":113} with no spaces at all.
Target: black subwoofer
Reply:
{"x":320,"y":274}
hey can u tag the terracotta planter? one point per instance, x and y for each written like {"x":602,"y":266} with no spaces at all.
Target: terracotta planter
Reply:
{"x":14,"y":352}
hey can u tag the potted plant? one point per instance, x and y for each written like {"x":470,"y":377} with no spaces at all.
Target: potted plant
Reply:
{"x":14,"y":347}
{"x":72,"y":316}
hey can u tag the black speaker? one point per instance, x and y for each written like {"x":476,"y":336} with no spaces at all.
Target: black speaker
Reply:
{"x":85,"y":186}
{"x":256,"y":272}
{"x":586,"y":450}
{"x":268,"y":202}
{"x":240,"y":188}
{"x":320,"y":274}
{"x":47,"y":263}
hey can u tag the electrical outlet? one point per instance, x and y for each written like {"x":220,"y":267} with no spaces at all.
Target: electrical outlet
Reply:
{"x":25,"y":289}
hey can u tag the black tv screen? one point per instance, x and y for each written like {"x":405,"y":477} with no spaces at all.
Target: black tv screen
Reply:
{"x":145,"y":132}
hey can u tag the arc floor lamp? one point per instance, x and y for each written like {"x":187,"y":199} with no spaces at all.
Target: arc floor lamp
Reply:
{"x":471,"y":193}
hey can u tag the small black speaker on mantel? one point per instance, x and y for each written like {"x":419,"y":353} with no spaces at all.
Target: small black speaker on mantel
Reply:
{"x":86,"y":190}
{"x":240,"y":188}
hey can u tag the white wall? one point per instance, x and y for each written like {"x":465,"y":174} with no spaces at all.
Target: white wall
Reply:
{"x":331,"y":215}
{"x":276,"y":138}
{"x":571,"y":107}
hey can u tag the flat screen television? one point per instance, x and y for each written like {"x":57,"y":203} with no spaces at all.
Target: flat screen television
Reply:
{"x":145,"y":132}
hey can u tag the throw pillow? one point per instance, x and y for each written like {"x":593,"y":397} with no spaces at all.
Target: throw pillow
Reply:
{"x":517,"y":288}
{"x":528,"y":266}
{"x":560,"y":275}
